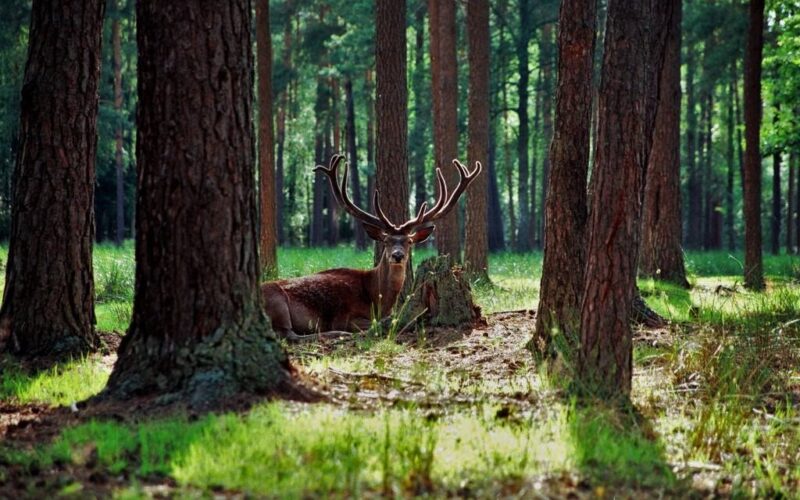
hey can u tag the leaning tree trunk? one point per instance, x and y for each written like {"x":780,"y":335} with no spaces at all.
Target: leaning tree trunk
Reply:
{"x":268,"y":237}
{"x":661,"y":252}
{"x":565,"y":241}
{"x":48,"y":303}
{"x":198,"y":333}
{"x":476,"y":248}
{"x":632,"y":61}
{"x":753,"y":265}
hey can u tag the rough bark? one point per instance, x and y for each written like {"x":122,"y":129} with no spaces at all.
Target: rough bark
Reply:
{"x":661,"y":252}
{"x":48,"y":302}
{"x":268,"y":234}
{"x":753,"y":265}
{"x":565,"y":241}
{"x":445,"y":117}
{"x":198,"y":334}
{"x":355,"y":178}
{"x":476,"y":248}
{"x":525,"y":223}
{"x":632,"y":61}
{"x":116,"y":42}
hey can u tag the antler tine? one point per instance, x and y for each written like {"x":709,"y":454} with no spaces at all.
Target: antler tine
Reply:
{"x":415,"y":221}
{"x":340,"y":191}
{"x":376,"y":205}
{"x":447,"y":202}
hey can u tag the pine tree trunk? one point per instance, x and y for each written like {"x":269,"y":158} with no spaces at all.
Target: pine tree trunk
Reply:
{"x":116,"y":42}
{"x":476,"y":252}
{"x":706,"y":175}
{"x":355,"y":180}
{"x":546,"y":58}
{"x":48,"y":302}
{"x":280,"y":167}
{"x":523,"y":38}
{"x":694,"y":215}
{"x":791,"y":205}
{"x":198,"y":334}
{"x":632,"y":62}
{"x":445,"y":90}
{"x":731,"y":229}
{"x":316,"y":236}
{"x":268,"y":234}
{"x":776,"y":203}
{"x":495,"y":215}
{"x":661,"y":252}
{"x":422,"y":115}
{"x":564,"y":243}
{"x":753,"y":265}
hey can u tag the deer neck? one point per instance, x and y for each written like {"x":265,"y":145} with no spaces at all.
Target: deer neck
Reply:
{"x":386,"y":283}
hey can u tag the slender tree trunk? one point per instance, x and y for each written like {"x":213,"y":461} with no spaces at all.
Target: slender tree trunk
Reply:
{"x":445,"y":80}
{"x":283,"y":109}
{"x":790,"y":206}
{"x":632,"y":62}
{"x":794,"y":159}
{"x":753,"y":265}
{"x":509,"y":174}
{"x":707,"y":175}
{"x":566,"y":209}
{"x":731,"y":229}
{"x":320,"y":110}
{"x":776,"y":203}
{"x":661,"y":252}
{"x":268,"y":234}
{"x":48,"y":301}
{"x":547,"y":62}
{"x":523,"y":242}
{"x":330,"y":220}
{"x":116,"y":42}
{"x":355,"y":181}
{"x":476,"y":252}
{"x":693,"y":192}
{"x":496,"y":236}
{"x":370,"y":103}
{"x":198,"y":333}
{"x":422,"y":115}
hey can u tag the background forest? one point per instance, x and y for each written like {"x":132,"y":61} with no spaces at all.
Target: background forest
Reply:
{"x":323,"y":60}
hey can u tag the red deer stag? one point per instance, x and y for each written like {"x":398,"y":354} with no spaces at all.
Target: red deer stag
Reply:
{"x":336,"y":302}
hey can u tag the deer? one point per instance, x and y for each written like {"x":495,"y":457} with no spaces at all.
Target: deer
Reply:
{"x":339,"y":302}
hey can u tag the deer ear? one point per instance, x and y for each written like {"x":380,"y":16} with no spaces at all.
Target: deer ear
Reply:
{"x":373,"y":232}
{"x":422,"y":234}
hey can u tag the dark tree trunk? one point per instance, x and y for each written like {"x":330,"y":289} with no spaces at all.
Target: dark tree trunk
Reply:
{"x":370,"y":103}
{"x":546,"y":65}
{"x":391,"y":111}
{"x":753,"y":265}
{"x":116,"y":42}
{"x":268,"y":230}
{"x":776,"y":203}
{"x":661,"y":253}
{"x":316,"y":236}
{"x":330,"y":222}
{"x":794,"y":159}
{"x":694,"y":213}
{"x":198,"y":334}
{"x":358,"y":230}
{"x":565,"y":241}
{"x":632,"y":61}
{"x":445,"y":116}
{"x":730,"y":228}
{"x":790,"y":206}
{"x":283,"y":109}
{"x":48,"y":302}
{"x":707,"y":174}
{"x":525,"y":223}
{"x":422,"y":113}
{"x":476,"y":251}
{"x":496,"y":237}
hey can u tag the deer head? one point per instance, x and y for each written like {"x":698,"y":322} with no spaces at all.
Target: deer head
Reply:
{"x":397,"y":239}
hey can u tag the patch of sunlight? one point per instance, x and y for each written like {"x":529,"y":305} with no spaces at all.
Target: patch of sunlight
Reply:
{"x":61,"y":385}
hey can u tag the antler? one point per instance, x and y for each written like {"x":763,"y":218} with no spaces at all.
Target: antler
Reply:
{"x":445,"y":202}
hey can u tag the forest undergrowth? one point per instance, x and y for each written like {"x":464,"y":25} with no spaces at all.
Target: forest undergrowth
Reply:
{"x":716,"y":405}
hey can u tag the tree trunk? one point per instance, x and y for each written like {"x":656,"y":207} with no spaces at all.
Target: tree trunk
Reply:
{"x":495,"y":215}
{"x":198,"y":334}
{"x":661,"y":252}
{"x":283,"y":109}
{"x":731,"y":229}
{"x":706,"y":176}
{"x":523,"y":38}
{"x":791,"y":206}
{"x":316,"y":236}
{"x":48,"y":302}
{"x":565,"y":241}
{"x":422,"y":114}
{"x":632,"y":62}
{"x":546,"y":68}
{"x":358,"y":230}
{"x":116,"y":42}
{"x":753,"y":266}
{"x":776,"y":203}
{"x":445,"y":116}
{"x":268,"y":234}
{"x":476,"y":252}
{"x":391,"y":112}
{"x":694,"y":215}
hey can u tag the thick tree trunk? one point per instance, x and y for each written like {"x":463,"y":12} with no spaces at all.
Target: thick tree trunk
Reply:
{"x":391,"y":112}
{"x":116,"y":42}
{"x":445,"y":117}
{"x":661,"y":252}
{"x":48,"y":302}
{"x":753,"y":265}
{"x":632,"y":62}
{"x":268,"y":234}
{"x":525,"y":224}
{"x":198,"y":333}
{"x":565,"y":241}
{"x":422,"y":114}
{"x":476,"y":252}
{"x":776,"y":203}
{"x":355,"y":180}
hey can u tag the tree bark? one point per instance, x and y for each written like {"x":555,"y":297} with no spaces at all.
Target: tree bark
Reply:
{"x":661,"y":252}
{"x":355,"y":181}
{"x":422,"y":114}
{"x":776,"y":203}
{"x":476,"y":252}
{"x":116,"y":42}
{"x":445,"y":117}
{"x":524,"y":222}
{"x":731,"y":229}
{"x":198,"y":334}
{"x":268,"y":237}
{"x":565,"y":241}
{"x":753,"y":265}
{"x":48,"y":302}
{"x":632,"y":61}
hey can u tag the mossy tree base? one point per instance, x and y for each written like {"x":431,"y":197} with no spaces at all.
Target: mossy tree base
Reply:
{"x":440,"y":296}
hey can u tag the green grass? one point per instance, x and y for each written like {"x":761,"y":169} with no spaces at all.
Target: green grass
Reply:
{"x":61,"y":385}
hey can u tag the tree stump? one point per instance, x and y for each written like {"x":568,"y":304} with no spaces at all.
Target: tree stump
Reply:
{"x":440,"y":296}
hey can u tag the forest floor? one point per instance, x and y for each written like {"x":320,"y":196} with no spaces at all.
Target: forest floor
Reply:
{"x":446,"y":412}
